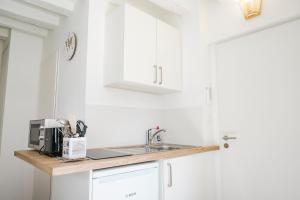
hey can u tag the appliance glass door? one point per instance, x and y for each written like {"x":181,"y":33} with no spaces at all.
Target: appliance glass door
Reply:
{"x":135,"y":185}
{"x":34,"y":134}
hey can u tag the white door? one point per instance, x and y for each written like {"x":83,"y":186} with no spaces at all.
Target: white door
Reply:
{"x":168,"y":56}
{"x":258,"y":80}
{"x":139,"y":46}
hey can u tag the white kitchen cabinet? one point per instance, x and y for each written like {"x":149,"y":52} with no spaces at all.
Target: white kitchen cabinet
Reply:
{"x":188,"y":177}
{"x":168,"y":56}
{"x":141,"y":52}
{"x":139,"y":46}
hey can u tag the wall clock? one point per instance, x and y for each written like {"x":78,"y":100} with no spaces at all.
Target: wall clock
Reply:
{"x":71,"y":45}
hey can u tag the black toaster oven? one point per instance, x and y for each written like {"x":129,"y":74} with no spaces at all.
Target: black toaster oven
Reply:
{"x":46,"y":136}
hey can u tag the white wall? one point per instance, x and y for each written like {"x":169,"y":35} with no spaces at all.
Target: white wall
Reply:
{"x":47,"y":91}
{"x":81,"y":94}
{"x":70,"y":99}
{"x":1,"y":51}
{"x":114,"y":116}
{"x":225,"y":19}
{"x":209,"y":21}
{"x":21,"y":102}
{"x":186,"y":114}
{"x":2,"y":86}
{"x":187,"y":106}
{"x":71,"y":82}
{"x":217,"y":20}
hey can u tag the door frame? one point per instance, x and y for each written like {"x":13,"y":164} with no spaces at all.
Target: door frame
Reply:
{"x":214,"y":86}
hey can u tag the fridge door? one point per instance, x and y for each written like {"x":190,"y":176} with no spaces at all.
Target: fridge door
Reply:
{"x":131,"y":183}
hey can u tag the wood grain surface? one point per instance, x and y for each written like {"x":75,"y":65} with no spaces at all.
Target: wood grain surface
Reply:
{"x":56,"y":166}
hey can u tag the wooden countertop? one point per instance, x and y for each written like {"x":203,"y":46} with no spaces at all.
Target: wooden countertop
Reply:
{"x":56,"y":167}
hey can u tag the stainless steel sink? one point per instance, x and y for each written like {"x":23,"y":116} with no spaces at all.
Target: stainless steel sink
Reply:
{"x":151,"y":149}
{"x":164,"y":148}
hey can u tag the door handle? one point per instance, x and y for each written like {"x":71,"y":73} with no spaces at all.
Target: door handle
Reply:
{"x":170,"y":182}
{"x":226,"y":138}
{"x":161,"y":75}
{"x":155,"y":74}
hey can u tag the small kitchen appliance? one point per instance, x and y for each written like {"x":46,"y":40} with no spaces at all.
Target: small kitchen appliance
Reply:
{"x":46,"y":136}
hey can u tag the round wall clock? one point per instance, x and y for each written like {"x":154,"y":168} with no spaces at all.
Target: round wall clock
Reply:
{"x":71,"y":45}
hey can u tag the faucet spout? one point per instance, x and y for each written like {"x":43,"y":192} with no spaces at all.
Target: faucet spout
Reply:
{"x":158,"y":132}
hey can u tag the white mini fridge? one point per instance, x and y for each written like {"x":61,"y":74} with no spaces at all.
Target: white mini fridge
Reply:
{"x":135,"y":182}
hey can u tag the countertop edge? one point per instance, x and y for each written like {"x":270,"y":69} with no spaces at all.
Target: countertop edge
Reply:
{"x":55,"y":168}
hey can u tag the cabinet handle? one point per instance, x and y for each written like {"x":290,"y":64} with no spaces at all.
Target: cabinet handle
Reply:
{"x":170,"y":182}
{"x":161,"y":75}
{"x":155,"y":74}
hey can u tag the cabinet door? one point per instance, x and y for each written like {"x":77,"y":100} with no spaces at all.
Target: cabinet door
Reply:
{"x":139,"y":46}
{"x":168,"y":56}
{"x":188,"y":177}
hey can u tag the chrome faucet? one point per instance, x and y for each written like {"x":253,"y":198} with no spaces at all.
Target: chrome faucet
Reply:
{"x":150,"y":136}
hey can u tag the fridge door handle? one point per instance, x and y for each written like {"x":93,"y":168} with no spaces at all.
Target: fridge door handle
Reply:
{"x":161,"y":75}
{"x":155,"y":74}
{"x":170,"y":181}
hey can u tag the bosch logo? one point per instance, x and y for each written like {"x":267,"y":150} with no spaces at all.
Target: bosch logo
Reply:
{"x":130,"y":195}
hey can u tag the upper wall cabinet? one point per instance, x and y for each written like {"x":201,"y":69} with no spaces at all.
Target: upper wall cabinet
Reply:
{"x":142,"y":52}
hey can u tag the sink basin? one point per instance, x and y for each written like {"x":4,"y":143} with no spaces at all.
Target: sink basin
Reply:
{"x":151,"y":149}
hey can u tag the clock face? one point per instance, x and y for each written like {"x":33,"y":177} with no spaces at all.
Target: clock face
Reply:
{"x":70,"y":45}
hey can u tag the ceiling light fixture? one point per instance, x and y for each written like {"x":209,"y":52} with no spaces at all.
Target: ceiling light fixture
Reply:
{"x":251,"y":8}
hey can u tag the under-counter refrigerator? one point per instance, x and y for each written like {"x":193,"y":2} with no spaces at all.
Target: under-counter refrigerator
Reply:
{"x":135,"y":182}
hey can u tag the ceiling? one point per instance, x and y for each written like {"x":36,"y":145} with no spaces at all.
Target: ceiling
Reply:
{"x":34,"y":16}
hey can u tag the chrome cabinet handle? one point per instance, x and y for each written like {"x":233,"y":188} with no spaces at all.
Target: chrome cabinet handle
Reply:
{"x":170,"y":182}
{"x":155,"y":74}
{"x":161,"y":75}
{"x":226,"y":138}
